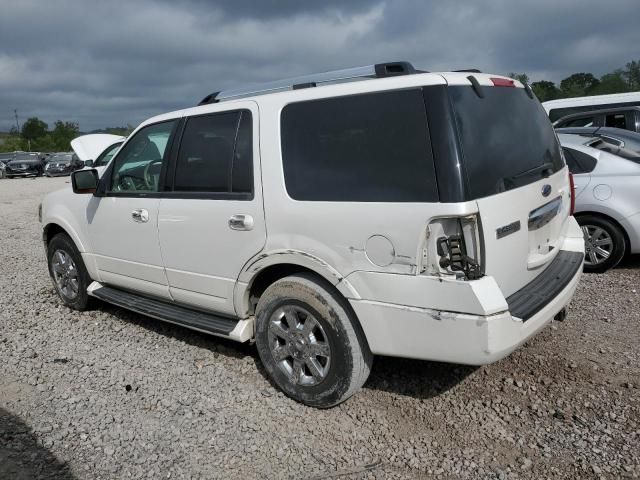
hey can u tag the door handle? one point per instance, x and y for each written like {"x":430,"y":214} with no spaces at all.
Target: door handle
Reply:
{"x":241,"y":222}
{"x":140,"y":215}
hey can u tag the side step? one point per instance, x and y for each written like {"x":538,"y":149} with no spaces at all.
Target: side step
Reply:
{"x":240,"y":330}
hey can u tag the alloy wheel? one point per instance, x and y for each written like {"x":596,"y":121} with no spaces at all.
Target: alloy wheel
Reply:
{"x":65,"y":274}
{"x":598,"y":244}
{"x":299,"y":345}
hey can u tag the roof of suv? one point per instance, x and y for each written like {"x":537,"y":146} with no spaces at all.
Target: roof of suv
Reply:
{"x":341,"y":82}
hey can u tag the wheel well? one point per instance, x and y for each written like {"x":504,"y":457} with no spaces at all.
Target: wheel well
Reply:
{"x":51,"y":231}
{"x":269,"y":275}
{"x":273,"y":273}
{"x":627,"y":241}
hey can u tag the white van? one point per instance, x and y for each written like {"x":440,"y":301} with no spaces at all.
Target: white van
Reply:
{"x":376,"y":210}
{"x":556,"y":109}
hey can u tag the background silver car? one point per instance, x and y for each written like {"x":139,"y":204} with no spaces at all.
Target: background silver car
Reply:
{"x":607,"y":201}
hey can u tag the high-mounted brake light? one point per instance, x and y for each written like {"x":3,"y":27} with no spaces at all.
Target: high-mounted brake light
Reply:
{"x":572,"y":193}
{"x":502,"y":82}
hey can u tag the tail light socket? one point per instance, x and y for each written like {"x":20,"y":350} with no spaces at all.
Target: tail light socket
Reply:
{"x":456,"y":248}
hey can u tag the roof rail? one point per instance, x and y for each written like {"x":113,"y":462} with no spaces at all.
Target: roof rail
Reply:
{"x":379,"y":70}
{"x":470,"y":70}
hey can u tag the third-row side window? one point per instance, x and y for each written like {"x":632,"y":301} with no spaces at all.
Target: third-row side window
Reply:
{"x":215,"y":154}
{"x":361,"y":148}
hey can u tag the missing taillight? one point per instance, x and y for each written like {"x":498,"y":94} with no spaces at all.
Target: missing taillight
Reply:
{"x":456,"y":248}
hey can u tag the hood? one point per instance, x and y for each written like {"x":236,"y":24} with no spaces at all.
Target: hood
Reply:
{"x":88,"y":147}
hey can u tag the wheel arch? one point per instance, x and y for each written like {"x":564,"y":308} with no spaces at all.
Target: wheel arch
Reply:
{"x":262,"y":271}
{"x":627,"y":240}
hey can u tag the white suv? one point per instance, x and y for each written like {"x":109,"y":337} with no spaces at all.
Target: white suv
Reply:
{"x":376,"y":210}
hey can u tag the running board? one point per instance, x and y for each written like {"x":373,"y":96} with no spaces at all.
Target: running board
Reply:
{"x":239,"y":330}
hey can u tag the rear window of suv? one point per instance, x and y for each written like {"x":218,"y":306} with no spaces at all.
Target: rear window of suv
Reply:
{"x":506,"y":138}
{"x":362,"y":148}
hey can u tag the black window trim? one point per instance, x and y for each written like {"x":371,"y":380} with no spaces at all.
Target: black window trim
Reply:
{"x":169,"y":191}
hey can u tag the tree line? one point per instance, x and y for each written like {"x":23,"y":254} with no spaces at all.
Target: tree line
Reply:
{"x":621,"y":80}
{"x":35,"y":136}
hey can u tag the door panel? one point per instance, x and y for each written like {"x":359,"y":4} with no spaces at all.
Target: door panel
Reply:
{"x":126,"y":251}
{"x":216,"y":176}
{"x":203,"y":256}
{"x":123,"y":224}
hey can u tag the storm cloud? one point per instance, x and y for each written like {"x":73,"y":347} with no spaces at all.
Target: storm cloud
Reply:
{"x":116,"y":62}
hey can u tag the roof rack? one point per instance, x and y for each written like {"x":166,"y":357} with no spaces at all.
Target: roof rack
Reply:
{"x":379,"y":70}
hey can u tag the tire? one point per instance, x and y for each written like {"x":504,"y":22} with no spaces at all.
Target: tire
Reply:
{"x":70,"y":279}
{"x":601,"y":236}
{"x":322,"y":360}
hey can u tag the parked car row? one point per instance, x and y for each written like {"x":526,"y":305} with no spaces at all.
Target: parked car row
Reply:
{"x":35,"y":164}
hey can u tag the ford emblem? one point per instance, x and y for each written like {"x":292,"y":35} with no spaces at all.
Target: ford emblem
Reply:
{"x":546,"y":190}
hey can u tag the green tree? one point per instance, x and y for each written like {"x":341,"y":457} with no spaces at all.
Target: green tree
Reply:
{"x":631,"y":74}
{"x":611,"y":83}
{"x":578,"y":85}
{"x":545,"y":90}
{"x":62,"y":134}
{"x":521,"y":77}
{"x":33,"y":129}
{"x":12,"y":143}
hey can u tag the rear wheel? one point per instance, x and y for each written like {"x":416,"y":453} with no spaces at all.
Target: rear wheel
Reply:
{"x":309,"y":342}
{"x":604,"y":243}
{"x":67,"y":271}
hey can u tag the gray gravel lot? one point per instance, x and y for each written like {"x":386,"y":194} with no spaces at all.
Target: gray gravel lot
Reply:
{"x":112,"y":394}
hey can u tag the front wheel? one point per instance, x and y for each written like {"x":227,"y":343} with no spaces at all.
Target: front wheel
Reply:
{"x":309,"y":341}
{"x":604,"y":243}
{"x":67,"y":271}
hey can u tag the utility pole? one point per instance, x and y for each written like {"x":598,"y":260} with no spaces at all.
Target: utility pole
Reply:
{"x":15,"y":111}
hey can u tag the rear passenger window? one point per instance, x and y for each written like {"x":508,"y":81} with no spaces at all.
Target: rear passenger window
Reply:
{"x":579,"y":162}
{"x":360,"y":148}
{"x":215,"y":154}
{"x":616,"y":120}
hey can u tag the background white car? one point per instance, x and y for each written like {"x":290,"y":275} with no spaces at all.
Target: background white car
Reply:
{"x":96,"y":149}
{"x":607,"y":201}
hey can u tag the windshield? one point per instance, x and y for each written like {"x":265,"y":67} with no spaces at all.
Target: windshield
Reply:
{"x":506,"y":138}
{"x":107,"y":155}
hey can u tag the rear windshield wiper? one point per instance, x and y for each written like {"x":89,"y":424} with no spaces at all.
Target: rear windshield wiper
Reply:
{"x":545,"y":169}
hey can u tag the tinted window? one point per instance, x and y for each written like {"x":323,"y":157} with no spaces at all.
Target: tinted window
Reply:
{"x":616,"y":120}
{"x":216,"y":154}
{"x":579,"y":162}
{"x":558,"y":113}
{"x":506,"y":138}
{"x":137,"y":166}
{"x":360,"y":148}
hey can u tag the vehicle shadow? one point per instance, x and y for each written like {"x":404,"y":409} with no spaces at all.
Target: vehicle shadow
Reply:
{"x":415,"y":378}
{"x":419,"y":379}
{"x":220,"y":345}
{"x":629,"y":261}
{"x":21,"y":457}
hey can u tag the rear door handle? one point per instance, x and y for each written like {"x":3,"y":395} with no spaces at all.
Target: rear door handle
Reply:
{"x":241,"y":222}
{"x":140,"y":215}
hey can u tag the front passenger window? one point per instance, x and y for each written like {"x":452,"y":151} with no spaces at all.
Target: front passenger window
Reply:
{"x":137,"y":166}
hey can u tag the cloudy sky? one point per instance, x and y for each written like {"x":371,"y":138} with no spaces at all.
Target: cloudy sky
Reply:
{"x":107,"y":63}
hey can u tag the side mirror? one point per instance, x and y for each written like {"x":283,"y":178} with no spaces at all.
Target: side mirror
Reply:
{"x":88,"y":163}
{"x":85,"y":181}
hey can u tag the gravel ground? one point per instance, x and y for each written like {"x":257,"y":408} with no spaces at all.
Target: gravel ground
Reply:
{"x":112,"y":394}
